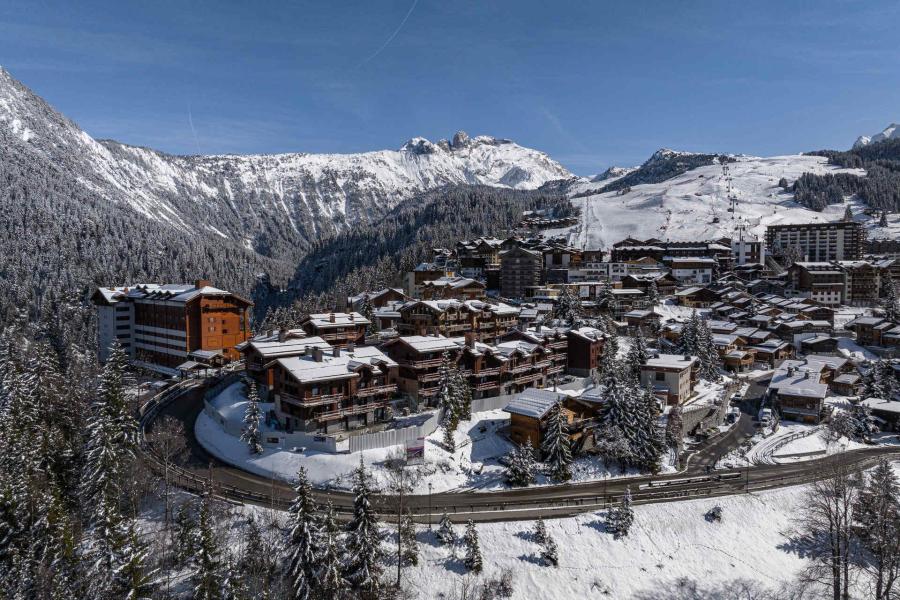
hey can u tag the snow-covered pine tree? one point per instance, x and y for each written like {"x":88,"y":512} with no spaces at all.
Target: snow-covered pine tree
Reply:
{"x":848,"y":213}
{"x":674,"y":430}
{"x":540,"y":531}
{"x":653,"y":294}
{"x":520,"y":465}
{"x":877,"y":522}
{"x":250,"y":434}
{"x":556,"y":448}
{"x":449,"y":400}
{"x":609,"y":365}
{"x":364,"y":535}
{"x":568,"y":308}
{"x":649,"y":443}
{"x":369,"y":313}
{"x":304,"y":539}
{"x":883,"y":221}
{"x":880,"y":381}
{"x":620,"y":518}
{"x":207,"y":560}
{"x":637,"y":355}
{"x":234,"y":585}
{"x":445,"y":533}
{"x":890,"y":304}
{"x":409,"y":545}
{"x":473,"y":560}
{"x":612,"y":446}
{"x":185,"y":533}
{"x":329,"y":581}
{"x":690,"y":332}
{"x":549,"y":551}
{"x":621,"y":408}
{"x":706,"y":351}
{"x":463,"y":392}
{"x":135,"y":575}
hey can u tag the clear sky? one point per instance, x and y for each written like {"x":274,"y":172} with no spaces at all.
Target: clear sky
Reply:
{"x":593,"y":84}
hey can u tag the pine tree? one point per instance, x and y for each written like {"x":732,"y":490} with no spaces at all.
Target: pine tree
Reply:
{"x":234,"y":585}
{"x":185,"y":533}
{"x":540,"y":531}
{"x":364,"y":536}
{"x":637,"y":356}
{"x":445,"y":533}
{"x":568,"y":308}
{"x":207,"y":560}
{"x":409,"y":545}
{"x":556,"y":448}
{"x":549,"y":552}
{"x":880,"y":381}
{"x":252,"y":415}
{"x":304,"y":539}
{"x":707,"y":353}
{"x":877,"y":522}
{"x":890,"y":303}
{"x":848,"y":214}
{"x":653,"y":294}
{"x":135,"y":575}
{"x":649,"y":443}
{"x":674,"y":430}
{"x":690,"y":333}
{"x":609,"y":364}
{"x":329,"y":581}
{"x":369,"y":313}
{"x":883,"y":221}
{"x":473,"y":560}
{"x":520,"y":465}
{"x":620,"y":518}
{"x":463,"y":392}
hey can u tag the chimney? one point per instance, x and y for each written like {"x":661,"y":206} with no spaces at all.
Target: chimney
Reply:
{"x":806,"y":375}
{"x":282,"y":336}
{"x":470,"y":339}
{"x":331,"y":317}
{"x":318,"y":355}
{"x":687,"y":357}
{"x":351,"y":316}
{"x":307,"y":350}
{"x":336,"y":352}
{"x":201,"y":283}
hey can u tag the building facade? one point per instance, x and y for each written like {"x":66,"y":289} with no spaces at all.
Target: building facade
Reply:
{"x":818,"y":242}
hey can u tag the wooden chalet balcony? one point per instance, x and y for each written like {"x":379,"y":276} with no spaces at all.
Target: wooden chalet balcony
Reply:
{"x":458,"y":326}
{"x":389,"y":388}
{"x":560,"y":345}
{"x":254,"y":365}
{"x":521,"y":368}
{"x":527,"y":378}
{"x":312,"y":400}
{"x":487,"y":385}
{"x":349,"y":410}
{"x":330,"y":337}
{"x":556,"y":369}
{"x":487,"y":372}
{"x":426,"y":377}
{"x":542,"y":364}
{"x":422,"y":364}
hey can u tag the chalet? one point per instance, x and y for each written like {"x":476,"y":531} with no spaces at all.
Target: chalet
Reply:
{"x":159,"y":326}
{"x":261,"y":351}
{"x":525,"y":365}
{"x":376,"y":299}
{"x":337,"y":328}
{"x":448,"y":318}
{"x":772,"y":351}
{"x":585,"y":345}
{"x":554,"y":339}
{"x":460,"y":288}
{"x":334,"y":390}
{"x":819,"y":344}
{"x":874,"y":331}
{"x":419,"y":361}
{"x":672,"y":376}
{"x":665,"y":283}
{"x":739,"y":360}
{"x":520,"y":268}
{"x":863,"y":282}
{"x":820,"y":281}
{"x":797,"y":391}
{"x":641,"y":320}
{"x":528,"y":413}
{"x":887,"y":411}
{"x":427,"y":272}
{"x":625,"y":300}
{"x":847,"y":384}
{"x":696,"y":297}
{"x":692,"y":270}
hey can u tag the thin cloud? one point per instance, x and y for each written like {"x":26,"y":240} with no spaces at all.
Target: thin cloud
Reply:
{"x":392,"y":36}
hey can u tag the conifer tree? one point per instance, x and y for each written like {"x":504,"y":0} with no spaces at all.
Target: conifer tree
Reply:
{"x":707,"y":353}
{"x":540,"y":531}
{"x":364,"y":536}
{"x":234,"y":584}
{"x":883,"y":221}
{"x":135,"y":574}
{"x":329,"y":581}
{"x":877,"y":521}
{"x":556,"y":448}
{"x":369,"y":313}
{"x":637,"y":356}
{"x":620,"y":518}
{"x":304,"y":539}
{"x":445,"y":532}
{"x":568,"y":308}
{"x":252,"y":416}
{"x":409,"y":545}
{"x":890,"y":303}
{"x":520,"y":465}
{"x":848,"y":214}
{"x":473,"y":560}
{"x":207,"y":560}
{"x":674,"y":430}
{"x":185,"y":533}
{"x":653,"y":294}
{"x":690,"y":333}
{"x":549,"y":551}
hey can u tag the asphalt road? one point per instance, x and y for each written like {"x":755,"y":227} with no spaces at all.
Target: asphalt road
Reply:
{"x":196,"y":466}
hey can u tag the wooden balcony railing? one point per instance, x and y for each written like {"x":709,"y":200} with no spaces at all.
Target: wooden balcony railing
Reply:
{"x":527,"y":379}
{"x":389,"y":388}
{"x":349,"y":410}
{"x":312,"y":400}
{"x":487,"y":385}
{"x":422,"y":364}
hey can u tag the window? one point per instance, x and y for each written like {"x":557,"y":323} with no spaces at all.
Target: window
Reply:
{"x":660,"y":376}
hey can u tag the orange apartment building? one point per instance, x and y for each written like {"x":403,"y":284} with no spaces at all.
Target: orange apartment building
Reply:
{"x":164,"y":326}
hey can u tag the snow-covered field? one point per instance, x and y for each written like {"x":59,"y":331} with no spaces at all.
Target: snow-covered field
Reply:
{"x":475,"y":465}
{"x":686,"y":207}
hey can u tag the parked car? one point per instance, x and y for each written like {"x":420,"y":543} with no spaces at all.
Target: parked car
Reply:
{"x":765,"y":416}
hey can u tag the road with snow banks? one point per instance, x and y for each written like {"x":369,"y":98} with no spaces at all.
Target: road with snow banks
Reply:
{"x":196,"y":470}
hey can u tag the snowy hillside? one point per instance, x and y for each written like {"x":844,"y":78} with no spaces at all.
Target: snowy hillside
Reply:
{"x":694,"y":205}
{"x":891,"y":132}
{"x":256,"y":199}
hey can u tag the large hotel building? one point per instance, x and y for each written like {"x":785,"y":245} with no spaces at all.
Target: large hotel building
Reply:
{"x":164,"y":326}
{"x":818,"y":242}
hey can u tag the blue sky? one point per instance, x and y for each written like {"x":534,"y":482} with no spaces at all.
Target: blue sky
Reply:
{"x":592,"y":83}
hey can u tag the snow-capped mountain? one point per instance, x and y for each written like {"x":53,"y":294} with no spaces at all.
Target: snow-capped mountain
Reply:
{"x":891,"y":132}
{"x":265,"y":202}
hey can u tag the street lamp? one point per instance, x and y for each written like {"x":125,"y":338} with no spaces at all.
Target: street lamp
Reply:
{"x":429,"y":506}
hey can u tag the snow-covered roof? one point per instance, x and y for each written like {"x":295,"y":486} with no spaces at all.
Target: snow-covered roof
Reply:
{"x":431,"y":343}
{"x":534,"y":402}
{"x":272,"y":348}
{"x":891,"y":406}
{"x":170,"y":292}
{"x":670,"y":361}
{"x":337,"y":319}
{"x":306,"y":369}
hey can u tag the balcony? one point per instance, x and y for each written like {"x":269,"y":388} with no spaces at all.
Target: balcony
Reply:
{"x":521,"y":368}
{"x":487,"y":372}
{"x":311,"y":400}
{"x":390,"y":388}
{"x":428,"y":377}
{"x":350,"y":410}
{"x":487,"y":385}
{"x":422,"y":364}
{"x":527,"y":379}
{"x":561,"y":345}
{"x":542,"y":364}
{"x":556,"y":369}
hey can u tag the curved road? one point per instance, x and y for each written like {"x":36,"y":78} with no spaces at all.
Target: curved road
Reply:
{"x":193,"y":471}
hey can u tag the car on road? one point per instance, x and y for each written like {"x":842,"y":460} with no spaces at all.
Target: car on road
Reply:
{"x":765,"y":416}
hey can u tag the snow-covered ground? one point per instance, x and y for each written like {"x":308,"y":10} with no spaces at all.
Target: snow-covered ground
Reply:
{"x":475,"y":465}
{"x":687,"y":206}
